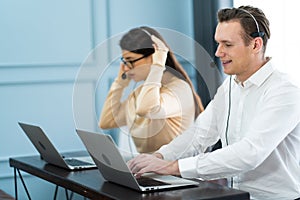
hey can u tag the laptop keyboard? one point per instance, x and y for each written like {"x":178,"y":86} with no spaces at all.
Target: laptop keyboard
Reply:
{"x":145,"y":181}
{"x":74,"y":162}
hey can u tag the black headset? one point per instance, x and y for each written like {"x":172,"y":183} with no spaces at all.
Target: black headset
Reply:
{"x":254,"y":34}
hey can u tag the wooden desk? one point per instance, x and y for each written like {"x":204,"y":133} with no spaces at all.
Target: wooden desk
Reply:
{"x":91,"y":184}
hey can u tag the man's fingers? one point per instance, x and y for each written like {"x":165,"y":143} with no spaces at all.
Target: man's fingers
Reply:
{"x":137,"y":163}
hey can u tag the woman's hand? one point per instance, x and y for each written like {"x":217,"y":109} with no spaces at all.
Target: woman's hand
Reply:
{"x":161,"y":52}
{"x":144,"y":163}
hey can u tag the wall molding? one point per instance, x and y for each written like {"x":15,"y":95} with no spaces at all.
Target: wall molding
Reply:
{"x":47,"y":74}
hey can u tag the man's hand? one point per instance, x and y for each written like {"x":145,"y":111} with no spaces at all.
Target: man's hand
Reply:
{"x":150,"y":163}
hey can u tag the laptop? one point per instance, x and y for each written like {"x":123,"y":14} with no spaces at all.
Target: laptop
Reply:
{"x":113,"y":167}
{"x":49,"y":153}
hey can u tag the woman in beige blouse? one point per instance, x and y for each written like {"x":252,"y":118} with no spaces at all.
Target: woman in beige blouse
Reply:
{"x":163,"y":106}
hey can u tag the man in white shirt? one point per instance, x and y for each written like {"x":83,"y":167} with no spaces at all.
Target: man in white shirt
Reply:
{"x":255,"y":113}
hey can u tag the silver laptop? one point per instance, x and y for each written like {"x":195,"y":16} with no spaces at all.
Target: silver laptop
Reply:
{"x":49,"y":153}
{"x":114,"y":169}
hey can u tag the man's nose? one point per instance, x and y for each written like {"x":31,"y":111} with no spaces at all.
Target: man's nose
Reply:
{"x":219,"y":52}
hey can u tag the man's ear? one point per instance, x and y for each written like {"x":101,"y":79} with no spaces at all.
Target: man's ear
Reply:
{"x":258,"y":44}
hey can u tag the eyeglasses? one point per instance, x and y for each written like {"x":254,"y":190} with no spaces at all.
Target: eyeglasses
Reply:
{"x":129,"y":63}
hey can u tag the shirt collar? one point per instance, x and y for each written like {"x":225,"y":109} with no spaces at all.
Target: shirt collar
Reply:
{"x":259,"y":76}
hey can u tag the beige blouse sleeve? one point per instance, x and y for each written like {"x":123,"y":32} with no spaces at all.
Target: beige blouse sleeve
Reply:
{"x":113,"y":111}
{"x":157,"y":102}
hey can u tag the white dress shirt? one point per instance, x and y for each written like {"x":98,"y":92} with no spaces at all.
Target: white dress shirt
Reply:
{"x":263,"y":137}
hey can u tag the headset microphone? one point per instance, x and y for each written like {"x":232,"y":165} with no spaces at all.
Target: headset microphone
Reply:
{"x":124,"y":76}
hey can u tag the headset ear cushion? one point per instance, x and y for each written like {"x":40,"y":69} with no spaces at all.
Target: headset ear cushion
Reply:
{"x":257,"y":34}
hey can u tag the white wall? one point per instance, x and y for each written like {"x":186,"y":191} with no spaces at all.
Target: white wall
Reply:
{"x":284,"y":43}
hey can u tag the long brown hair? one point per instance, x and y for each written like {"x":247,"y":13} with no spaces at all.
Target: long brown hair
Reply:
{"x":138,"y":40}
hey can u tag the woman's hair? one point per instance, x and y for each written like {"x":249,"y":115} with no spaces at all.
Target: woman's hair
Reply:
{"x":138,"y":40}
{"x":248,"y":16}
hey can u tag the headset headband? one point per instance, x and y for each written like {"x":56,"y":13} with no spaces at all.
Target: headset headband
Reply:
{"x":145,"y":31}
{"x":254,"y":34}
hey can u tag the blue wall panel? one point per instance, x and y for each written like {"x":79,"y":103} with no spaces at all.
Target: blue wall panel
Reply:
{"x":172,"y":14}
{"x":43,"y":44}
{"x":34,"y":31}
